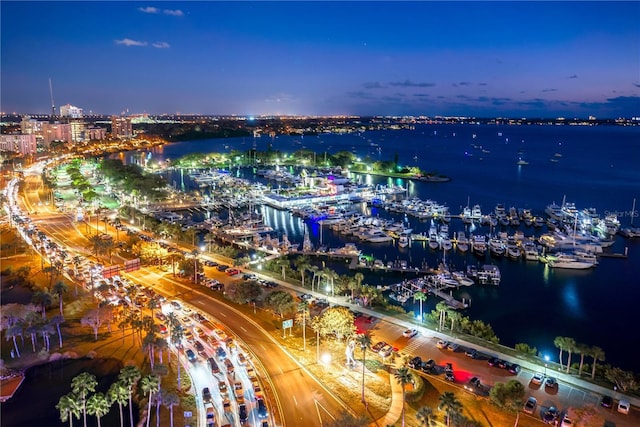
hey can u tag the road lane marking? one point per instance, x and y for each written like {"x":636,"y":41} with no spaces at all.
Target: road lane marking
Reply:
{"x":243,"y":329}
{"x":294,"y":399}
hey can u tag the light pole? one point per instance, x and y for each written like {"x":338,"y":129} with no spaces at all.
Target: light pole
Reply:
{"x":363,"y":347}
{"x":546,"y":361}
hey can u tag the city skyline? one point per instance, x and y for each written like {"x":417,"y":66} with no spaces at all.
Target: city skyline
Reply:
{"x":498,"y":59}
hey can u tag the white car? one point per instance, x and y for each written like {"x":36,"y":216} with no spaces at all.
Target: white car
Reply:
{"x":537,"y":378}
{"x":410,"y":333}
{"x":442,"y":344}
{"x":624,"y":406}
{"x":386,"y":351}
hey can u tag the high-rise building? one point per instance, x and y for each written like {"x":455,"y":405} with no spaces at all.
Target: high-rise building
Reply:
{"x":69,"y":110}
{"x":56,"y":132}
{"x":30,"y":126}
{"x":18,"y":143}
{"x":93,"y":133}
{"x":121,"y":127}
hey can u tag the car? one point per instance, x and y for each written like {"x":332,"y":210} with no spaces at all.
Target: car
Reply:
{"x":502,"y":364}
{"x":530,"y":405}
{"x":449,"y":376}
{"x":211,"y":415}
{"x":551,"y":382}
{"x":624,"y":406}
{"x":493,"y":361}
{"x":220,"y":353}
{"x":386,"y":350}
{"x":176,"y":305}
{"x":448,"y":367}
{"x":566,"y":421}
{"x":473,"y":384}
{"x":472,"y":353}
{"x":550,"y":416}
{"x":222,"y":267}
{"x":537,"y":378}
{"x":199,"y":348}
{"x":428,"y":365}
{"x":226,"y":405}
{"x":442,"y":344}
{"x":513,"y":368}
{"x":191,"y":356}
{"x":222,"y":386}
{"x":415,"y":362}
{"x":162,"y":329}
{"x":378,"y":346}
{"x":215,"y":369}
{"x":606,"y":401}
{"x":242,"y":413}
{"x":410,"y":333}
{"x":228,"y":365}
{"x":452,"y":346}
{"x":206,"y":395}
{"x":262,"y":409}
{"x":232,"y":272}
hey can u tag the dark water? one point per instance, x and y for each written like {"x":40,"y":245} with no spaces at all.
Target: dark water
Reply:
{"x":34,"y":404}
{"x":593,"y":167}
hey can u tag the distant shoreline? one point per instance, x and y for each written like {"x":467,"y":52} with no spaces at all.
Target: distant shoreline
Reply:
{"x":423,"y":178}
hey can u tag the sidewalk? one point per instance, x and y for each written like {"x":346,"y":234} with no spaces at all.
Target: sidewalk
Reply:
{"x":395,"y":409}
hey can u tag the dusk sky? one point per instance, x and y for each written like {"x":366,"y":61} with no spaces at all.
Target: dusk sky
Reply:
{"x":508,"y":59}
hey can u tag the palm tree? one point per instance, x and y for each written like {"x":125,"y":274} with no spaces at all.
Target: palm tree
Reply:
{"x":57,"y":320}
{"x":570,"y":345}
{"x":597,"y":354}
{"x":119,"y":393}
{"x":283,"y":263}
{"x":129,"y":376}
{"x":403,"y":377}
{"x":582,"y":350}
{"x":313,"y":269}
{"x":330,"y":276}
{"x":170,"y":400}
{"x":426,"y":416}
{"x":450,"y":404}
{"x":364,"y":340}
{"x":149,"y":343}
{"x":46,"y":329}
{"x":43,"y":299}
{"x":420,"y":296}
{"x":60,"y":288}
{"x":302,"y":264}
{"x":69,"y":408}
{"x":98,"y":405}
{"x":150,"y":384}
{"x":559,"y":342}
{"x":13,"y":331}
{"x":81,"y":385}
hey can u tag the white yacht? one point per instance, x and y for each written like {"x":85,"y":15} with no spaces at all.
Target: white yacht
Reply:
{"x":404,"y":238}
{"x":479,"y":245}
{"x":530,"y":251}
{"x":568,"y":261}
{"x":462,"y":243}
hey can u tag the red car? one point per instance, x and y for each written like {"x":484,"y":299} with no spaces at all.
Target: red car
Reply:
{"x":232,"y":272}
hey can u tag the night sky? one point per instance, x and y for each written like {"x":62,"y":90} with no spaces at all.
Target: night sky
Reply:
{"x":488,"y":59}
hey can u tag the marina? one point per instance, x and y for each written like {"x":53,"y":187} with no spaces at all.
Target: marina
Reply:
{"x":471,"y":199}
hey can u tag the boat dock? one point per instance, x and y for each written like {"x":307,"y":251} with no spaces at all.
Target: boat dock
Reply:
{"x":407,"y":288}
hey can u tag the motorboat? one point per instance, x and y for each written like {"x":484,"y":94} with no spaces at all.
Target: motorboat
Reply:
{"x":462,"y":243}
{"x":530,"y":251}
{"x":479,"y":245}
{"x":569,"y":261}
{"x":404,"y":238}
{"x":497,"y":247}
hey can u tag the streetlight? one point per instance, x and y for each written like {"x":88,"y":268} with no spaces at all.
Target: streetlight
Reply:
{"x":546,"y":361}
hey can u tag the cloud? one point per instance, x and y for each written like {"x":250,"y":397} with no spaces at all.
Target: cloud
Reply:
{"x":409,"y":83}
{"x":161,"y":45}
{"x":149,"y":9}
{"x":372,"y":85}
{"x":573,"y":76}
{"x":129,"y":42}
{"x":176,"y":12}
{"x":549,"y":90}
{"x":636,"y":84}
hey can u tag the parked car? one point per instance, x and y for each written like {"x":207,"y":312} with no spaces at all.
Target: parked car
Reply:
{"x":551,"y":415}
{"x":551,"y":382}
{"x":472,"y":353}
{"x":428,"y":366}
{"x":566,"y":421}
{"x":415,"y":362}
{"x":624,"y":406}
{"x":606,"y":401}
{"x":191,"y":356}
{"x":530,"y":405}
{"x":452,"y":346}
{"x":222,"y":386}
{"x":215,"y":369}
{"x":386,"y":350}
{"x":449,"y":376}
{"x":410,"y":333}
{"x":513,"y":368}
{"x":493,"y":361}
{"x":442,"y":344}
{"x":200,"y":348}
{"x":448,"y":367}
{"x":473,"y":384}
{"x":537,"y":378}
{"x":378,"y":346}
